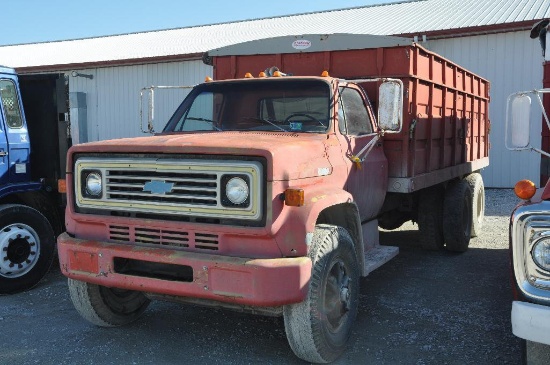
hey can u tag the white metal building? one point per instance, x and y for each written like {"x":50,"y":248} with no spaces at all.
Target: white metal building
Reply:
{"x":489,"y":37}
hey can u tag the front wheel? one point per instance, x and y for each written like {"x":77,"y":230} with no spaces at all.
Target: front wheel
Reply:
{"x":27,"y":247}
{"x":107,"y":307}
{"x":318,"y":328}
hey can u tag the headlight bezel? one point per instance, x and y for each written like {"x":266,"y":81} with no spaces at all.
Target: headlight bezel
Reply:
{"x":225,"y":200}
{"x":544,"y":240}
{"x":529,"y":224}
{"x":85,"y":188}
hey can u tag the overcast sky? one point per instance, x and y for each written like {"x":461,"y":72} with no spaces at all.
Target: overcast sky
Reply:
{"x":30,"y":21}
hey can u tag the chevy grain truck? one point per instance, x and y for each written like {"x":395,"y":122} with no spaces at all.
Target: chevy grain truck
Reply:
{"x":266,"y":188}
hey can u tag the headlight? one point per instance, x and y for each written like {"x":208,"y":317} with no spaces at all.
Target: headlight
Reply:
{"x":236,"y":190}
{"x":93,"y":184}
{"x":541,"y":254}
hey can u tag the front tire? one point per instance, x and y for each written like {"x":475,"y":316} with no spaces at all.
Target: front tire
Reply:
{"x":107,"y":307}
{"x":318,"y":328}
{"x":27,"y":247}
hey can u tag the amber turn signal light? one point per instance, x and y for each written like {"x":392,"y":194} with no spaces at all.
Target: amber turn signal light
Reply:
{"x":261,"y":74}
{"x":325,"y":74}
{"x":248,"y":75}
{"x":62,"y":186}
{"x":294,"y":197}
{"x":525,"y":189}
{"x":207,"y":79}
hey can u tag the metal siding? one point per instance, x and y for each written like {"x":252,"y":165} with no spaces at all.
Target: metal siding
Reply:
{"x":511,"y":62}
{"x":113,"y":95}
{"x":388,"y":19}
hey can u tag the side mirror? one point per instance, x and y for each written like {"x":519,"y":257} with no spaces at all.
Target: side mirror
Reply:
{"x":390,"y":106}
{"x":517,"y":122}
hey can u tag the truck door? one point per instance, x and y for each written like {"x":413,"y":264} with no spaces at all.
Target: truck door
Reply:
{"x":367,"y":181}
{"x":14,"y":157}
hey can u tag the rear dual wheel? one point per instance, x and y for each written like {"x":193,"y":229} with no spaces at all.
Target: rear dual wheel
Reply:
{"x":478,"y":202}
{"x":445,"y":216}
{"x":457,"y":216}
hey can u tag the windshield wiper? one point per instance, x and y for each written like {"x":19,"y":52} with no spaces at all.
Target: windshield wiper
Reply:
{"x":267,"y":121}
{"x":212,"y":122}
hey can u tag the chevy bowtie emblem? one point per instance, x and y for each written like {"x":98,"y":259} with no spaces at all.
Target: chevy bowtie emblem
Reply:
{"x":158,"y":187}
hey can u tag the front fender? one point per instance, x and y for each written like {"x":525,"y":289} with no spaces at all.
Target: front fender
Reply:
{"x":293,"y":228}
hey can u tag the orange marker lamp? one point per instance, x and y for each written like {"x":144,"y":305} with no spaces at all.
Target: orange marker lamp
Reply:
{"x":525,"y":189}
{"x":294,"y":197}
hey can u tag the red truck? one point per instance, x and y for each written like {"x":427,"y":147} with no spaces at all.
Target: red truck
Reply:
{"x":264,"y":192}
{"x":529,"y":236}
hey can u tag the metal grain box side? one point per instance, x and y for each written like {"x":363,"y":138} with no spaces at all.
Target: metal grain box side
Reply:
{"x":446,"y":125}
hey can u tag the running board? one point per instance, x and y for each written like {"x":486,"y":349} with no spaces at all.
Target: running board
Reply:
{"x":377,"y":256}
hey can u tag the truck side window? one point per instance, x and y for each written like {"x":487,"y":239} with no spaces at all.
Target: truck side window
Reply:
{"x":356,"y":120}
{"x":10,"y":103}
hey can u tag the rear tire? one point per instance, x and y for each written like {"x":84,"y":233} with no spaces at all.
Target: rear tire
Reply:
{"x":27,"y":247}
{"x":107,"y":307}
{"x":478,"y":202}
{"x":457,"y":216}
{"x":318,"y":328}
{"x":534,"y":353}
{"x":430,"y":218}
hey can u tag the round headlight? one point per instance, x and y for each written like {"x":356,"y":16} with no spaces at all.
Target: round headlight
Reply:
{"x":236,"y":190}
{"x":541,"y":254}
{"x":93,"y":184}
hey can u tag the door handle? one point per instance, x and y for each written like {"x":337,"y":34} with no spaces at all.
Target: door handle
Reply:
{"x":3,"y":153}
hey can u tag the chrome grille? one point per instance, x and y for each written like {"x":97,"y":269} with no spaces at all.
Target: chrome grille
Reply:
{"x":186,"y":188}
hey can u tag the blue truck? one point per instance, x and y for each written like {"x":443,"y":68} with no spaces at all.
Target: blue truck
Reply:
{"x":32,"y":146}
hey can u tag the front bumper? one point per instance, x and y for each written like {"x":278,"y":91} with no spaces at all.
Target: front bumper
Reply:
{"x":257,"y":282}
{"x":531,"y":321}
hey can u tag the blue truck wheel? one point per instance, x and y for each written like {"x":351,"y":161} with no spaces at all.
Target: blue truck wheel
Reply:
{"x":27,"y":246}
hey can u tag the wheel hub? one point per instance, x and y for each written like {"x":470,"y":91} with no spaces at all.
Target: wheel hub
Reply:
{"x":337,"y":296}
{"x":19,"y":250}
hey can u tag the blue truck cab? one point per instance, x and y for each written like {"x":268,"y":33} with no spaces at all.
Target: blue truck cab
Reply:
{"x":29,"y":206}
{"x":14,"y":136}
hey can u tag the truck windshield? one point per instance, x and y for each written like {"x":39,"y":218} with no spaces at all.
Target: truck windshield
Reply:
{"x":252,"y":105}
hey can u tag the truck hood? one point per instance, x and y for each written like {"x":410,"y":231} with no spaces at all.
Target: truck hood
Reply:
{"x":289,"y":155}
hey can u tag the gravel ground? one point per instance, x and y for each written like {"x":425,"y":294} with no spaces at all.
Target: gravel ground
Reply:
{"x":421,"y":308}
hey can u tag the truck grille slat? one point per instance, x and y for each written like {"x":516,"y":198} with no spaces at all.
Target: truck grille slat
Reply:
{"x":177,"y":239}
